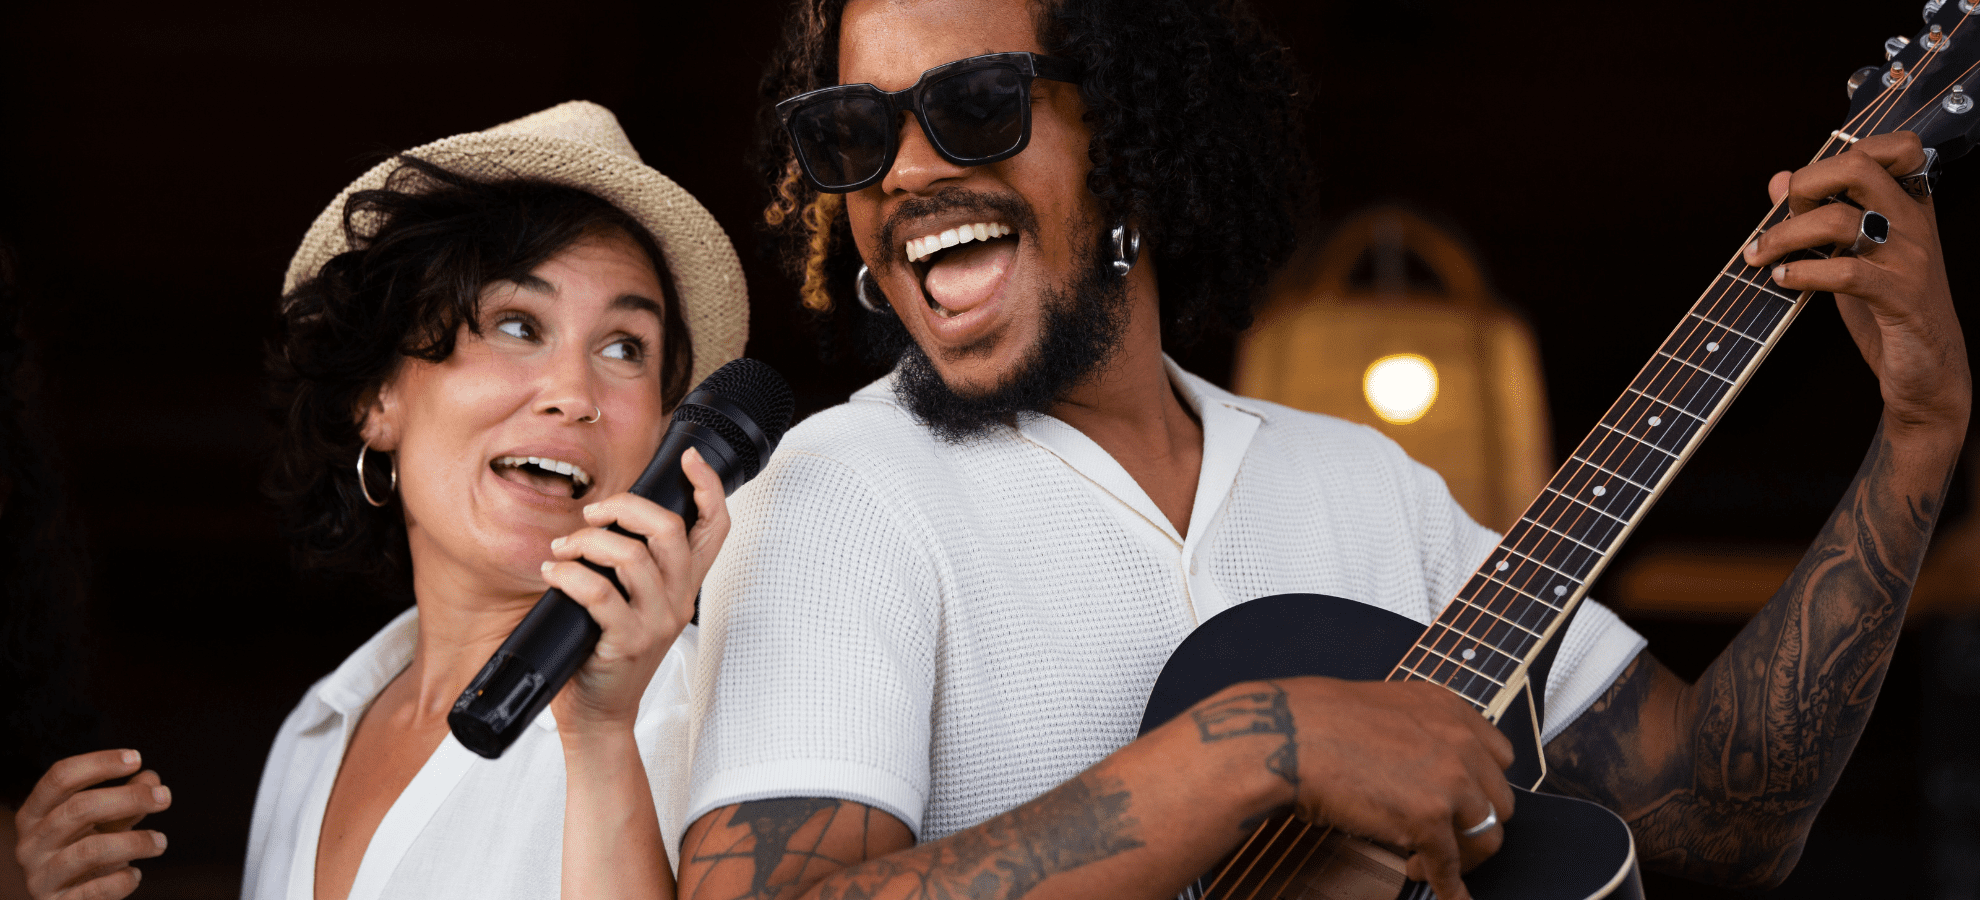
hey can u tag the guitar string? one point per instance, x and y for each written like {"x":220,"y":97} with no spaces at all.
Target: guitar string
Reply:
{"x":1307,"y":829}
{"x":1924,"y":61}
{"x":1739,"y":297}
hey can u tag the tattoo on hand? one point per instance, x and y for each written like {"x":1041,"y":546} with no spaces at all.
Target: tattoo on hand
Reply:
{"x":1258,"y":712}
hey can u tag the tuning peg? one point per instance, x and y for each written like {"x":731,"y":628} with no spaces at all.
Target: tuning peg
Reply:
{"x":1957,"y":101}
{"x":1895,"y":46}
{"x":1862,"y":75}
{"x":1932,"y":8}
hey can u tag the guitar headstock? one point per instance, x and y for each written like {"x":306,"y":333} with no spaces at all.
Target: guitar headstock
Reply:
{"x":1930,"y":86}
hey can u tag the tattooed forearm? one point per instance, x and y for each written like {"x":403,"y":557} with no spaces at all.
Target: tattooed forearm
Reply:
{"x":1258,"y":712}
{"x":824,"y":848}
{"x":1721,"y":780}
{"x":1080,"y":822}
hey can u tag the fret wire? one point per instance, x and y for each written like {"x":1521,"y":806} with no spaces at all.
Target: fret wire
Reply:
{"x":1761,"y":286}
{"x":1512,"y":552}
{"x":1747,"y":304}
{"x":1483,"y":575}
{"x":1564,"y":520}
{"x":1450,"y":643}
{"x":1522,"y":639}
{"x":1695,"y":367}
{"x":1561,"y":553}
{"x":1543,"y":527}
{"x":1474,"y":672}
{"x":1600,"y":469}
{"x":1618,"y":519}
{"x":1616,"y":449}
{"x":1450,"y":624}
{"x":1679,"y":409}
{"x":1698,"y":315}
{"x":1647,"y":444}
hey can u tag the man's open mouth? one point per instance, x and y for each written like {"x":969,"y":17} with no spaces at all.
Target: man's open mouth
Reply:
{"x":961,"y":267}
{"x":549,"y":476}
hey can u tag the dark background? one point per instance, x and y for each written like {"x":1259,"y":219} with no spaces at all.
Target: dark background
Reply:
{"x":158,"y":166}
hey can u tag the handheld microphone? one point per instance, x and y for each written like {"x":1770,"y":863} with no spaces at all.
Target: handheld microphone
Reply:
{"x":735,"y":418}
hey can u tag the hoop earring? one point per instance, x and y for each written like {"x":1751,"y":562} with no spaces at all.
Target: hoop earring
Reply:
{"x":366,"y":489}
{"x":596,"y":414}
{"x":1127,"y":248}
{"x":860,"y":282}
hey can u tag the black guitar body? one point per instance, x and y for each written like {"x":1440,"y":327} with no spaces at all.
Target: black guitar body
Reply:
{"x":1556,"y":848}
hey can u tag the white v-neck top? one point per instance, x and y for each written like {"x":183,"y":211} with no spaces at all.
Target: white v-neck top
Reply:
{"x":944,"y":631}
{"x":466,"y":827}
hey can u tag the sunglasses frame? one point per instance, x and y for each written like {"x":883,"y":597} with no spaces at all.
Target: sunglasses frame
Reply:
{"x":1025,"y":63}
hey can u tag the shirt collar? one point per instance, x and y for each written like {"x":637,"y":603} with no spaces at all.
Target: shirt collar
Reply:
{"x":364,"y":674}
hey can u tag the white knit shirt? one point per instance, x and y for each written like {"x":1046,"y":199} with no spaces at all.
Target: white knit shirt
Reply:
{"x":945,"y":631}
{"x":465,"y":828}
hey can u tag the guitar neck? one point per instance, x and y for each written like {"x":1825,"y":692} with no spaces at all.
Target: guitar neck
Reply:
{"x":1483,"y":643}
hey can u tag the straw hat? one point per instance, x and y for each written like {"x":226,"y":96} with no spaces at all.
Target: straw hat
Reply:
{"x":580,"y":144}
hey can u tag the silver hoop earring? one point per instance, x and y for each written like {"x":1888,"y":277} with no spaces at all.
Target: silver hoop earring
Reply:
{"x":366,"y":489}
{"x":860,"y":282}
{"x":1127,"y":248}
{"x":596,"y":414}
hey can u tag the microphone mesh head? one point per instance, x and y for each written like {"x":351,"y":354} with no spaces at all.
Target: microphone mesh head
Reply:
{"x":759,"y":392}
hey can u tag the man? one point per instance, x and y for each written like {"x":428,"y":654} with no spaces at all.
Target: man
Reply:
{"x":943,"y":603}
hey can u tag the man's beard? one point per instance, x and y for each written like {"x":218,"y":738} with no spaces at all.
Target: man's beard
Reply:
{"x":1085,"y":325}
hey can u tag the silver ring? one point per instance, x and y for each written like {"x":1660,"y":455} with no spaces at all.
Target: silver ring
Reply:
{"x":1871,"y":230}
{"x":596,"y":414}
{"x":1491,"y":822}
{"x":1919,"y":184}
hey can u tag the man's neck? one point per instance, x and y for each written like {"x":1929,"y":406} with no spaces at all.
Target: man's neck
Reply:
{"x":1132,"y":411}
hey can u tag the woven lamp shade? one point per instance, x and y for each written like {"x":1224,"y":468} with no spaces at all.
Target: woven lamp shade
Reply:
{"x":1318,"y":334}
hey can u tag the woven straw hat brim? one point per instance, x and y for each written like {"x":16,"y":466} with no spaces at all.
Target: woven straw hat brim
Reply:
{"x":713,"y":298}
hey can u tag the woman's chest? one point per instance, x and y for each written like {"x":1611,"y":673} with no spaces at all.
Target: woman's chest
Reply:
{"x":383,"y":757}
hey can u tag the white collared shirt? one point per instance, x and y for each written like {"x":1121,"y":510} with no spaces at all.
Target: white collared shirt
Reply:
{"x":465,"y":827}
{"x":944,"y":631}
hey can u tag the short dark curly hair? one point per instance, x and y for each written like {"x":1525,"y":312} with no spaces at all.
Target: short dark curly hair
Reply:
{"x":424,"y":246}
{"x":1195,"y":111}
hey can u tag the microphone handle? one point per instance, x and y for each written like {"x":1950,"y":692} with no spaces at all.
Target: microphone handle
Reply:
{"x":557,"y":636}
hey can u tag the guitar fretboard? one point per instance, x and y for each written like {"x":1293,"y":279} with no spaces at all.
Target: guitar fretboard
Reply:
{"x":1482,"y":641}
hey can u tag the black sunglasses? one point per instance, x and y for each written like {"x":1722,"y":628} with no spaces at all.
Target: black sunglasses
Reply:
{"x":974,"y":111}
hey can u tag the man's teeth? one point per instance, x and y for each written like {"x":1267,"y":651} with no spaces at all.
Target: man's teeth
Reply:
{"x":577,"y":474}
{"x":921,"y":248}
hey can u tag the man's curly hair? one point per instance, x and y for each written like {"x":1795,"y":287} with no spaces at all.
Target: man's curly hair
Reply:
{"x":1195,"y":114}
{"x":424,"y":246}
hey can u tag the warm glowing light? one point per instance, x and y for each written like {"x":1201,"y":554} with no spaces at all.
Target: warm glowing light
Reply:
{"x":1400,"y":387}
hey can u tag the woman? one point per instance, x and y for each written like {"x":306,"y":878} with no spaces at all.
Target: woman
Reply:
{"x":480,"y":343}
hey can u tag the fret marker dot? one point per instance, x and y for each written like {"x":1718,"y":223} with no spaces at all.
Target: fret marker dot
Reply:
{"x":1502,"y":566}
{"x":1468,"y":654}
{"x":1600,"y":490}
{"x":1711,"y":346}
{"x":1560,"y":590}
{"x":1655,"y":421}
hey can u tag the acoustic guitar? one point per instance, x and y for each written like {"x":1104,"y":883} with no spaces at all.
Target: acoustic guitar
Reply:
{"x":1495,"y":640}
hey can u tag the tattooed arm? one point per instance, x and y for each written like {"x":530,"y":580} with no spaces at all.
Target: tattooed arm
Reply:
{"x":1721,"y":780}
{"x":1405,"y":763}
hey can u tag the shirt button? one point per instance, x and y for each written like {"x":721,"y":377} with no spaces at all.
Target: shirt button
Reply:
{"x":1192,"y":567}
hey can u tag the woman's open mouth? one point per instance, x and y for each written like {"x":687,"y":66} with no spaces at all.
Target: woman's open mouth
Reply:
{"x":962,"y":267}
{"x":544,"y":475}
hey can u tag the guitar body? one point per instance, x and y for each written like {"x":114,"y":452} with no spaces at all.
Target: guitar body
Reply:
{"x":1556,"y":848}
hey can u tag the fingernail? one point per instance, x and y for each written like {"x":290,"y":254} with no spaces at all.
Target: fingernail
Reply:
{"x":137,"y":874}
{"x":591,"y":509}
{"x":547,"y":564}
{"x":158,"y":839}
{"x":131,"y":757}
{"x":1753,"y":251}
{"x":1780,"y":274}
{"x":161,"y":794}
{"x":557,"y":543}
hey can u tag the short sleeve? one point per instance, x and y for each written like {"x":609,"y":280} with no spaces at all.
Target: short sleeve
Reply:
{"x":1598,"y":645}
{"x":817,"y":663}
